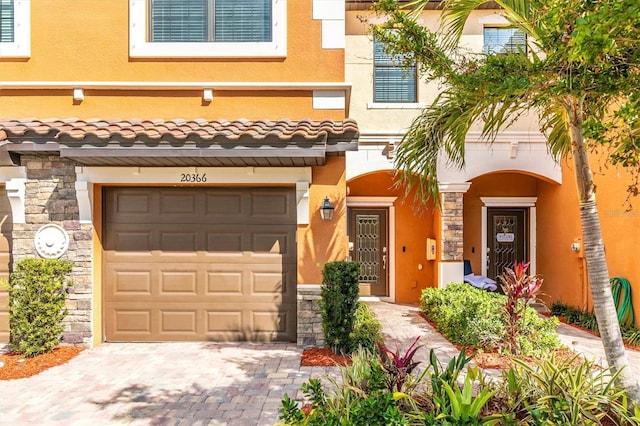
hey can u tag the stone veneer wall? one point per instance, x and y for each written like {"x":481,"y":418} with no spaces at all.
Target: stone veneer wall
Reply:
{"x":309,"y":317}
{"x":50,"y":197}
{"x":452,"y":226}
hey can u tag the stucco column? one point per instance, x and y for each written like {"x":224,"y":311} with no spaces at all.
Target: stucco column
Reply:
{"x":450,"y":264}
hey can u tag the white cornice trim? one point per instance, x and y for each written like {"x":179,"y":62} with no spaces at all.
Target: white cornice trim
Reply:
{"x":453,"y":186}
{"x":178,"y":85}
{"x":370,"y":201}
{"x":509,"y":201}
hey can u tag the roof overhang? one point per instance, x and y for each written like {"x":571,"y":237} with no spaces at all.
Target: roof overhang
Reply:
{"x":177,"y":143}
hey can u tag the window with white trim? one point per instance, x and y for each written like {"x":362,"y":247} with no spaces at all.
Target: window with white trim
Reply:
{"x":504,"y":40}
{"x":208,"y":28}
{"x":393,"y":80}
{"x":15,"y":28}
{"x":210,"y":20}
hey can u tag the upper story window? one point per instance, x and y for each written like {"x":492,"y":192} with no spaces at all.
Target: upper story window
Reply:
{"x":504,"y":40}
{"x":210,"y":21}
{"x":15,"y":28}
{"x":6,"y":21}
{"x":208,"y":28}
{"x":393,"y":80}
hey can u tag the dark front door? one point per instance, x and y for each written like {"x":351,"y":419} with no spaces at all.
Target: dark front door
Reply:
{"x":368,"y":233}
{"x":507,"y":239}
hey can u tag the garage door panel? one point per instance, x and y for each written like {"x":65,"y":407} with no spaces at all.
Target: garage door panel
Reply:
{"x":178,"y":241}
{"x":136,"y":203}
{"x":132,"y":321}
{"x":214,"y":264}
{"x":224,"y":204}
{"x":172,"y":203}
{"x":182,"y":322}
{"x":224,"y":283}
{"x":132,"y":241}
{"x":224,"y":241}
{"x":130,"y":283}
{"x":270,"y":206}
{"x":174,"y":282}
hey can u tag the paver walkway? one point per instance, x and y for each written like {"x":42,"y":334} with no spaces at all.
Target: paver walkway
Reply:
{"x":204,"y":383}
{"x":402,"y":323}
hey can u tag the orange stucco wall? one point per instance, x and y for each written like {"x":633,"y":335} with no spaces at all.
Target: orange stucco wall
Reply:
{"x":322,"y":240}
{"x":91,"y":43}
{"x":565,"y":271}
{"x":413,"y":225}
{"x":89,"y":40}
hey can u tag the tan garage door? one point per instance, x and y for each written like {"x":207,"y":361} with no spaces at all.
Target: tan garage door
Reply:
{"x":199,"y":264}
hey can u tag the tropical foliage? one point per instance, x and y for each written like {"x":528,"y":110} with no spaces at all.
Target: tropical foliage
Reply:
{"x":566,"y":392}
{"x":520,"y":289}
{"x":580,"y":75}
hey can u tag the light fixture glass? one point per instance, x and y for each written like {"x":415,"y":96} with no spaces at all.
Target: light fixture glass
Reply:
{"x":326,"y":210}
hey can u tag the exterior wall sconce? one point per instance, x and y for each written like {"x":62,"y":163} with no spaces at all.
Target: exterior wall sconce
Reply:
{"x":326,"y":210}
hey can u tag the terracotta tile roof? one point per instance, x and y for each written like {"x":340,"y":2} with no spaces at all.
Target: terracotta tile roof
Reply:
{"x":178,"y":129}
{"x":179,"y":142}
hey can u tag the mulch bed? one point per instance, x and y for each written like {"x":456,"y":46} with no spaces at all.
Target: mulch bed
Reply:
{"x":15,"y":366}
{"x":323,"y":357}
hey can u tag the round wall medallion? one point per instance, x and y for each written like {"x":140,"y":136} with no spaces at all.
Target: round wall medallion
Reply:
{"x":51,"y":241}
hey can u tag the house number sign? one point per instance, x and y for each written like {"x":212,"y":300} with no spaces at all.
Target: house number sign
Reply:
{"x":51,"y":241}
{"x":193,"y":177}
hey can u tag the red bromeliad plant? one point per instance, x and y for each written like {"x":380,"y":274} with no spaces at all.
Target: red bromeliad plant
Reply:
{"x":519,"y":288}
{"x":398,"y":366}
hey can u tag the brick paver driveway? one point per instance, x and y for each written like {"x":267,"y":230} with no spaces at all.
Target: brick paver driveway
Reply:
{"x":160,"y":383}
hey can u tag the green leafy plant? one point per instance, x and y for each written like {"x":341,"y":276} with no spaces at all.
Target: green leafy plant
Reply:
{"x":465,"y":408}
{"x":361,"y":397}
{"x":565,"y":391}
{"x":339,"y":304}
{"x":519,"y":288}
{"x":37,"y":305}
{"x":366,"y":328}
{"x":474,"y":318}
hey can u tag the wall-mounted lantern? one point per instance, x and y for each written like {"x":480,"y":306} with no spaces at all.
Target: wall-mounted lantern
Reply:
{"x":326,"y":210}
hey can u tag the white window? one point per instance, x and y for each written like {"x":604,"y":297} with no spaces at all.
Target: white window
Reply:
{"x":208,"y":28}
{"x":15,"y":28}
{"x":504,"y":40}
{"x":394,"y":81}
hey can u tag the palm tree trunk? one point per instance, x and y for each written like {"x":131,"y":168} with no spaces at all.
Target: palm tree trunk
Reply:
{"x":597,"y":270}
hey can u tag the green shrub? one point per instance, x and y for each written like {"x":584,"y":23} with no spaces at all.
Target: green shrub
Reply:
{"x":37,"y":305}
{"x":366,"y":328}
{"x":339,"y":303}
{"x":473,"y":318}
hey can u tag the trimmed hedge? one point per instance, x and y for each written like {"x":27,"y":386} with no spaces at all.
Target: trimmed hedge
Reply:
{"x":339,"y":303}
